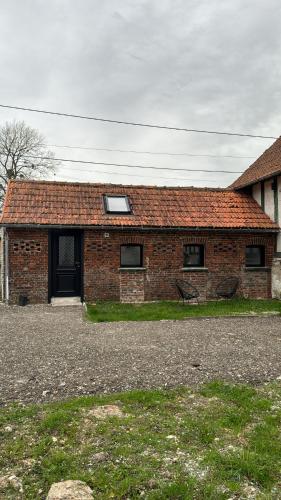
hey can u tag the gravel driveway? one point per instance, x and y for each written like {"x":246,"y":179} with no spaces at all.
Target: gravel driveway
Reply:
{"x":50,"y":353}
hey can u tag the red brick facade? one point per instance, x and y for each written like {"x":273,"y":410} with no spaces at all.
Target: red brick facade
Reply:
{"x":28,"y":265}
{"x":162,"y":261}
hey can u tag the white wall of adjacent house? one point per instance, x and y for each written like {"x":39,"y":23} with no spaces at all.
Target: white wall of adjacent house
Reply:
{"x":270,"y":201}
{"x":269,"y":204}
{"x":256,"y":192}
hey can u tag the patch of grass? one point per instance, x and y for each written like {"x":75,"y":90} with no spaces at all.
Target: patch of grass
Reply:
{"x":188,"y":489}
{"x":17,"y":413}
{"x":212,"y":443}
{"x":56,"y":465}
{"x":57,"y":421}
{"x":242,"y":395}
{"x":244,"y":465}
{"x":113,"y":311}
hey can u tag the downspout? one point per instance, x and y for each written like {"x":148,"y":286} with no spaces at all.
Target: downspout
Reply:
{"x":6,"y":266}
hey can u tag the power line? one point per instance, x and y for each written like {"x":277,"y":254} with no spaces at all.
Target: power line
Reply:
{"x":193,"y":155}
{"x":71,"y":178}
{"x":135,"y":124}
{"x":133,"y":166}
{"x":136,"y":175}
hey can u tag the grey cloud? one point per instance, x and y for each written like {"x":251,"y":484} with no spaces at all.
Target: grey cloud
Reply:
{"x":200,"y":64}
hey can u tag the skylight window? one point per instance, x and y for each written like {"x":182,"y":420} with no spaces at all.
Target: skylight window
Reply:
{"x":117,"y":204}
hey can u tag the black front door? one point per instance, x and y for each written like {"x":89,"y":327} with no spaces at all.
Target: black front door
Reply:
{"x":66,"y":264}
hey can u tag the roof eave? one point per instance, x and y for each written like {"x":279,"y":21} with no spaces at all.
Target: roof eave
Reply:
{"x":103,"y":227}
{"x":247,"y":184}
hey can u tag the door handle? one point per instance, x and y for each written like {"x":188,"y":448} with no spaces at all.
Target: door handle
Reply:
{"x":77,"y":264}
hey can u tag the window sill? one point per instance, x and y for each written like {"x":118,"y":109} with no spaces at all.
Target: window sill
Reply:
{"x":257,"y":268}
{"x":132,"y":269}
{"x":195,"y":269}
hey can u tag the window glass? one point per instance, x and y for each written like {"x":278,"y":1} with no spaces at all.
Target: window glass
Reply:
{"x":117,"y":204}
{"x":131,"y":256}
{"x":66,"y":251}
{"x":254,"y":256}
{"x":193,"y":256}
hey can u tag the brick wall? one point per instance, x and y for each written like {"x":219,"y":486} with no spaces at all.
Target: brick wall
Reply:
{"x":163,"y":262}
{"x":132,"y":286}
{"x":28,"y":265}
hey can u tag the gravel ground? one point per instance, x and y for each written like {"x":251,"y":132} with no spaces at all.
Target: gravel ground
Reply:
{"x":52,"y":353}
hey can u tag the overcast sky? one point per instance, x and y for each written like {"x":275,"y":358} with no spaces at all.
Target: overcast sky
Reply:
{"x":207,"y":64}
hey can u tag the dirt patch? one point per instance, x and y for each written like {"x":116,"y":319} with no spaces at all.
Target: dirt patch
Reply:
{"x":103,"y":412}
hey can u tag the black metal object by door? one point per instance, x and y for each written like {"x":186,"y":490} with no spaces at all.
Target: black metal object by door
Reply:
{"x":66,"y":263}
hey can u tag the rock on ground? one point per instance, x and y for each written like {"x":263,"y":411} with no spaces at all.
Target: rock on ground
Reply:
{"x":11,"y":481}
{"x":99,"y":457}
{"x":70,"y":490}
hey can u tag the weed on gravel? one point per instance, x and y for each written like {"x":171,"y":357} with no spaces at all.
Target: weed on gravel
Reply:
{"x":221,"y":441}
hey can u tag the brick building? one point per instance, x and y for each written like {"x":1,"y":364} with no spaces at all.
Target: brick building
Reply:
{"x":130,"y":243}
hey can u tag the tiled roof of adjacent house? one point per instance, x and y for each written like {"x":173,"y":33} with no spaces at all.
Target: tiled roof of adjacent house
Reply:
{"x":267,"y":165}
{"x":78,"y":204}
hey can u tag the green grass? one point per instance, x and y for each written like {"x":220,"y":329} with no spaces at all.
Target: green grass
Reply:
{"x":218,"y":442}
{"x":113,"y":311}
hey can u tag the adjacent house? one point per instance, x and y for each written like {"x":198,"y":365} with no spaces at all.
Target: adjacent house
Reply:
{"x":130,"y":243}
{"x":262,"y":180}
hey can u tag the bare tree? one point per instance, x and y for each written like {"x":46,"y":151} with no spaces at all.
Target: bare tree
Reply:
{"x":23,"y":154}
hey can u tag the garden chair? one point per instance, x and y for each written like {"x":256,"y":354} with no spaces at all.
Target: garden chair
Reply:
{"x":186,"y":290}
{"x":227,"y":288}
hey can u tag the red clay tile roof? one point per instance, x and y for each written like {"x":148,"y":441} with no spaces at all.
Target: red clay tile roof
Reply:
{"x":267,"y":165}
{"x":62,"y":203}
